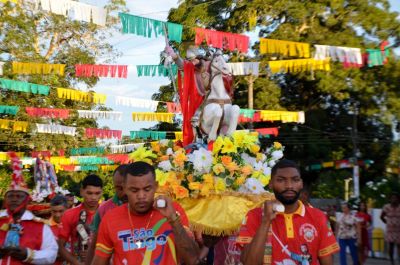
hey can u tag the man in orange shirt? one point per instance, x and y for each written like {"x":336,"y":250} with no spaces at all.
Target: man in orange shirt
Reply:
{"x":296,"y":234}
{"x":58,"y":205}
{"x":75,"y":222}
{"x":145,"y":230}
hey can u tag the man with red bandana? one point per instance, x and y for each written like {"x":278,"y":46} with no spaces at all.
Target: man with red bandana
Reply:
{"x":75,"y":222}
{"x":24,"y":238}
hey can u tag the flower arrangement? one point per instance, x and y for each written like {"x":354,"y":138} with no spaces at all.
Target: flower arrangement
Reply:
{"x":234,"y":164}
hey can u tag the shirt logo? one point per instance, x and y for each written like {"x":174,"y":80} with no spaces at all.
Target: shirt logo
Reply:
{"x":308,"y":231}
{"x":141,"y":238}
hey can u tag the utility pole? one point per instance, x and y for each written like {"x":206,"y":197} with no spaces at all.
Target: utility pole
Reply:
{"x":250,"y":98}
{"x":356,"y":168}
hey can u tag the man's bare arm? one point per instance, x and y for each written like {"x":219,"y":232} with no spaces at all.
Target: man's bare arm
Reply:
{"x":100,"y":261}
{"x":327,"y":260}
{"x":186,"y":247}
{"x":65,"y":254}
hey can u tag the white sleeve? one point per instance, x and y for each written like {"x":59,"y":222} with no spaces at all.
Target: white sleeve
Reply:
{"x":48,"y":251}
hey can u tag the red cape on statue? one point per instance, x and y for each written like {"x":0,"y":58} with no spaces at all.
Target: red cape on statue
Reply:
{"x":190,"y":99}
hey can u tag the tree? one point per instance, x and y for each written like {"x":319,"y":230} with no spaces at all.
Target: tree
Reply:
{"x":348,"y":111}
{"x":30,"y":35}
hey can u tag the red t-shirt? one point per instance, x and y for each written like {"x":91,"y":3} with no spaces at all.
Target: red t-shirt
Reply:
{"x":148,"y":240}
{"x":69,"y":222}
{"x":55,"y":228}
{"x":306,"y":235}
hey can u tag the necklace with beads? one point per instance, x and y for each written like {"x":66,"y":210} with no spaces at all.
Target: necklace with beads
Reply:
{"x":138,"y":243}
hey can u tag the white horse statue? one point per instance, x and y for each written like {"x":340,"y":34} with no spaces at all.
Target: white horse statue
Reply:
{"x":219,"y":116}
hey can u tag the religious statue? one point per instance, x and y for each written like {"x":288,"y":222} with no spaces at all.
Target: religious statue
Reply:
{"x":45,"y":176}
{"x":13,"y":236}
{"x":205,"y":95}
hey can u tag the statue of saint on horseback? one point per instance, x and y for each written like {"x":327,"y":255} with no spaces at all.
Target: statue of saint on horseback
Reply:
{"x":205,"y":92}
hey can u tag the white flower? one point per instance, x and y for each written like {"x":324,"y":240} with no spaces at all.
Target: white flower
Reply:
{"x":266,"y":170}
{"x":278,"y":154}
{"x":258,"y":166}
{"x":165,"y":165}
{"x":248,"y":159}
{"x":169,"y":151}
{"x":272,"y":163}
{"x":164,"y":142}
{"x":252,"y":185}
{"x":202,"y":160}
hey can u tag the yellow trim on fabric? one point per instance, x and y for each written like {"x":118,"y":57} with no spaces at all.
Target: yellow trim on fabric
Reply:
{"x":288,"y":217}
{"x":328,"y":250}
{"x":243,"y":239}
{"x":286,"y":48}
{"x":104,"y":247}
{"x":267,"y":259}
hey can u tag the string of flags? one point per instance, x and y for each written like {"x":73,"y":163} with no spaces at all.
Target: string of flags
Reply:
{"x":339,"y":164}
{"x":91,"y":70}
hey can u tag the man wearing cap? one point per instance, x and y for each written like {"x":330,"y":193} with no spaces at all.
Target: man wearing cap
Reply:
{"x":24,"y":238}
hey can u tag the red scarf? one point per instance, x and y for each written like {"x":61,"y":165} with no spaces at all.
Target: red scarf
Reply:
{"x":190,"y":99}
{"x":16,"y":210}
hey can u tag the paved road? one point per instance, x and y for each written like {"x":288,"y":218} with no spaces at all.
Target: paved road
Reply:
{"x":370,"y":261}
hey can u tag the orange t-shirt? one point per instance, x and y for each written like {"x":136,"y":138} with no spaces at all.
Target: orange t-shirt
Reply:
{"x":149,"y":241}
{"x":301,"y":237}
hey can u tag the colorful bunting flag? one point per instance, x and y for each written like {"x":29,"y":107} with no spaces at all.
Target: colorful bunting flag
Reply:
{"x":222,"y":40}
{"x":147,"y":27}
{"x":285,"y":48}
{"x":47,"y":112}
{"x":37,"y":68}
{"x":11,"y":110}
{"x":90,"y":70}
{"x":153,"y":70}
{"x":153,"y":116}
{"x":26,"y":87}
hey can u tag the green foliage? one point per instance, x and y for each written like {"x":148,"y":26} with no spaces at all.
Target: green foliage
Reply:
{"x":329,"y":99}
{"x":43,"y":37}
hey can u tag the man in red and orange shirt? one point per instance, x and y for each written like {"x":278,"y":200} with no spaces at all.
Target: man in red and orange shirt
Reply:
{"x":75,"y":222}
{"x":58,"y":205}
{"x":145,"y":230}
{"x":298,"y":235}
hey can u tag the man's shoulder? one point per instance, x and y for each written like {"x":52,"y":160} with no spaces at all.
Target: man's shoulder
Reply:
{"x":114,"y":212}
{"x":72,"y":212}
{"x":315,"y":213}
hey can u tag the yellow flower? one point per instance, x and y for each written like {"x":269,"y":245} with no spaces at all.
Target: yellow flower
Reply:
{"x":254,"y":148}
{"x":232,"y":167}
{"x":161,"y":177}
{"x":217,"y":145}
{"x":180,"y":192}
{"x":220,"y":185}
{"x":240,"y":180}
{"x":250,"y":139}
{"x":155,"y":146}
{"x":259,"y":157}
{"x":208,"y":179}
{"x":195,"y":185}
{"x":205,"y":190}
{"x":247,"y":170}
{"x":228,"y":147}
{"x":238,"y":138}
{"x":277,"y":145}
{"x":180,"y":158}
{"x":172,"y":179}
{"x":264,"y":179}
{"x":218,"y":169}
{"x":142,"y":154}
{"x":190,"y":178}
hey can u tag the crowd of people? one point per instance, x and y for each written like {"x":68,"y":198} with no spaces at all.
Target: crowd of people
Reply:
{"x":139,"y":226}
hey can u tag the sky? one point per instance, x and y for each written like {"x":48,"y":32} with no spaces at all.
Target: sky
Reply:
{"x":137,"y":50}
